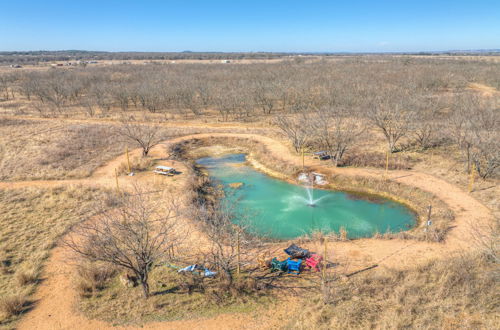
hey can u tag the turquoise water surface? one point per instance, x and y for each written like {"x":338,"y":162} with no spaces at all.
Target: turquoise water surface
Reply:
{"x":280,"y":210}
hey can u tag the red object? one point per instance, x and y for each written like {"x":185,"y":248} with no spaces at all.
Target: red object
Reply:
{"x":314,"y":262}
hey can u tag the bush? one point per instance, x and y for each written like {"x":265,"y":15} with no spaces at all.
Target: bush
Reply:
{"x":25,"y":277}
{"x":13,"y":305}
{"x":137,"y":164}
{"x":93,"y":277}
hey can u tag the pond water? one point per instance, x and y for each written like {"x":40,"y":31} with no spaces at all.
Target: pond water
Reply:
{"x":280,"y":210}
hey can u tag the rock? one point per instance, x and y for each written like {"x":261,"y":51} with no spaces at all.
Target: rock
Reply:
{"x":236,"y":185}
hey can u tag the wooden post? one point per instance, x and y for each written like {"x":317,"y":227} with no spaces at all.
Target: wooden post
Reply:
{"x":238,"y":252}
{"x":116,"y":178}
{"x":324,"y":259}
{"x":303,"y":160}
{"x":472,"y":173}
{"x":128,"y":161}
{"x":387,"y":163}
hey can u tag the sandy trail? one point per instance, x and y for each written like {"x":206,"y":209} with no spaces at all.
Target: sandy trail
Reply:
{"x":56,"y":298}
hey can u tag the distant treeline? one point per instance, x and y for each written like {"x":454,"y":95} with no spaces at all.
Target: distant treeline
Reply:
{"x":34,"y":57}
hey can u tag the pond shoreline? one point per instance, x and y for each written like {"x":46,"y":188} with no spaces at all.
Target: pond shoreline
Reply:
{"x":360,"y":215}
{"x":365,"y":187}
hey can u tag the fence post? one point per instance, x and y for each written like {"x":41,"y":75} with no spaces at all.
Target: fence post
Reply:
{"x":324,"y":258}
{"x":238,"y":252}
{"x":303,"y":160}
{"x":386,"y":163}
{"x":128,"y":161}
{"x":116,"y":179}
{"x":472,"y":173}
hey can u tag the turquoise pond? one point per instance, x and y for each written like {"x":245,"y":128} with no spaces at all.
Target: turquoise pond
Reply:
{"x":280,"y":210}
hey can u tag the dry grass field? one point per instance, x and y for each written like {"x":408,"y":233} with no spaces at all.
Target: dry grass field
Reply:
{"x":41,"y":150}
{"x":458,"y":293}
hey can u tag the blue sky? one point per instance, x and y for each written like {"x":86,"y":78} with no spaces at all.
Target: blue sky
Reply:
{"x":251,"y":25}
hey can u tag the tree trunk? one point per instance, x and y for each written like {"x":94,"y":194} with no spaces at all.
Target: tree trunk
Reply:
{"x":145,"y":289}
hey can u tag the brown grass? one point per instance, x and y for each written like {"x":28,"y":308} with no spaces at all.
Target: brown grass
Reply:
{"x":93,"y":277}
{"x":137,"y":164}
{"x":173,"y":297}
{"x":11,"y":306}
{"x":52,"y":150}
{"x":25,"y":277}
{"x":31,"y":221}
{"x":458,"y":293}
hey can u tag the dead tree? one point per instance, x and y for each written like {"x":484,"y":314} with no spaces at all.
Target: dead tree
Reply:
{"x":392,"y":117}
{"x":297,"y":129}
{"x":336,"y":131}
{"x":7,"y":84}
{"x":145,"y":136}
{"x":485,"y":151}
{"x":426,"y":126}
{"x":135,"y":236}
{"x":227,"y":232}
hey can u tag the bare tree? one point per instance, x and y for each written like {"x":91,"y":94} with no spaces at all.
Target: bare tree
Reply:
{"x":426,"y":126}
{"x":135,"y":236}
{"x":145,"y":136}
{"x":265,"y":95}
{"x":227,"y":232}
{"x":485,"y":152}
{"x":6,"y":84}
{"x":474,"y":127}
{"x":297,"y":129}
{"x":336,"y":130}
{"x":392,"y":117}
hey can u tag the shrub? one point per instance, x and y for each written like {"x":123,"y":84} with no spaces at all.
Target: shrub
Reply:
{"x":25,"y":277}
{"x":13,"y":305}
{"x":93,"y":277}
{"x":136,"y":165}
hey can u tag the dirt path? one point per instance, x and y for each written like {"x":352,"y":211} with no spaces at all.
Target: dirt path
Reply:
{"x":56,"y":298}
{"x":485,"y":90}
